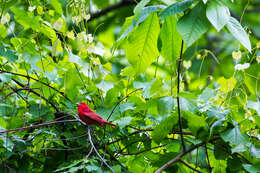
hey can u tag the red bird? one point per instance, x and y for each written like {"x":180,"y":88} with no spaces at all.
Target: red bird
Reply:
{"x":90,"y":117}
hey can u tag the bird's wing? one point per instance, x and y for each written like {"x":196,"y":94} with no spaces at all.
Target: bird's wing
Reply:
{"x":93,"y":116}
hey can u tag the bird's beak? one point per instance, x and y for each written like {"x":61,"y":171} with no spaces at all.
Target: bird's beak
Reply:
{"x":77,"y":104}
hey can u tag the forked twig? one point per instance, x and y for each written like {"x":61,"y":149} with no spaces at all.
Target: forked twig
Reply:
{"x":91,"y":142}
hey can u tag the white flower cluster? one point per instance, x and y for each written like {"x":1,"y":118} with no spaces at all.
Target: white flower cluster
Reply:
{"x":87,"y":38}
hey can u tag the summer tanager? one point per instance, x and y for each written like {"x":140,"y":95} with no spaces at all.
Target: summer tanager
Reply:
{"x":90,"y":117}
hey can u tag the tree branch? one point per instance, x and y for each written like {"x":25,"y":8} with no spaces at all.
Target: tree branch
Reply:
{"x":27,"y":76}
{"x":22,"y":85}
{"x":110,"y":8}
{"x":186,"y":164}
{"x":178,"y":97}
{"x":15,"y":90}
{"x":36,"y":126}
{"x":93,"y":146}
{"x":178,"y":157}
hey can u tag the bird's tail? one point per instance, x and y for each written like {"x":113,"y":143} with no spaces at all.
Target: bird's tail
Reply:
{"x":110,"y":124}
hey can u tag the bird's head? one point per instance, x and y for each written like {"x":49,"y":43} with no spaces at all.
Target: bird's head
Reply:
{"x":82,"y":104}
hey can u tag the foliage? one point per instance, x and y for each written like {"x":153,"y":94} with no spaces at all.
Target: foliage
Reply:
{"x":179,"y":78}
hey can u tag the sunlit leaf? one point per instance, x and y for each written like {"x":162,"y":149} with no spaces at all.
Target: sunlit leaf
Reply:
{"x":239,"y":33}
{"x":218,"y":14}
{"x":141,"y":48}
{"x":192,"y":25}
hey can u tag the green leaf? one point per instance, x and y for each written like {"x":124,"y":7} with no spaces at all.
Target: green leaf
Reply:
{"x":141,"y":47}
{"x":79,"y":61}
{"x":195,"y":123}
{"x":149,"y":88}
{"x":3,"y":123}
{"x":105,"y":85}
{"x":132,"y":22}
{"x":69,"y":165}
{"x":139,"y":7}
{"x":234,"y":137}
{"x":250,"y":168}
{"x":111,"y":97}
{"x":217,"y":124}
{"x":188,"y":104}
{"x":218,"y":14}
{"x":218,"y":150}
{"x":7,"y":143}
{"x":207,"y":94}
{"x":171,"y":39}
{"x":239,"y":148}
{"x":25,"y":20}
{"x":105,"y":112}
{"x":175,"y":8}
{"x":5,"y":77}
{"x":239,"y":33}
{"x":227,"y":85}
{"x":126,"y":106}
{"x":9,"y":54}
{"x":30,"y":58}
{"x":217,"y":112}
{"x":49,"y":32}
{"x":117,"y":168}
{"x":57,"y":6}
{"x":254,"y":105}
{"x":164,"y":128}
{"x":122,"y":122}
{"x":193,"y":25}
{"x":255,"y":151}
{"x":165,"y":105}
{"x":3,"y":30}
{"x":188,"y":95}
{"x":71,"y":82}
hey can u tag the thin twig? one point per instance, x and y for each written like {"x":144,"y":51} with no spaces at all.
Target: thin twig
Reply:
{"x":178,"y":97}
{"x":54,"y":149}
{"x":17,"y":74}
{"x":22,"y":85}
{"x":140,"y":152}
{"x":91,"y":142}
{"x":82,"y":81}
{"x":67,"y":139}
{"x":89,"y":153}
{"x":186,"y":164}
{"x":206,"y":151}
{"x":142,"y":131}
{"x":15,"y":91}
{"x":36,"y":126}
{"x":121,"y":101}
{"x":129,"y":144}
{"x":126,"y":136}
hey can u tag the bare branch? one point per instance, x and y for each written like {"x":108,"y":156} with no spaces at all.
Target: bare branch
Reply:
{"x":178,"y":157}
{"x":22,"y":85}
{"x":186,"y":164}
{"x":90,"y":140}
{"x":36,"y":126}
{"x":27,"y":76}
